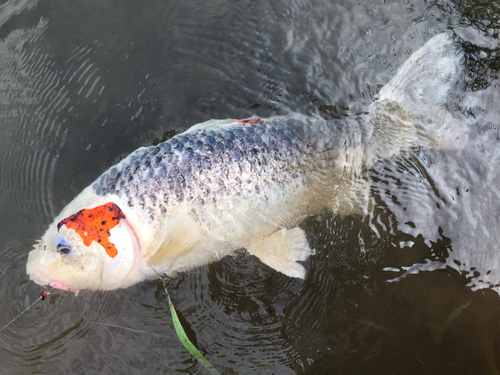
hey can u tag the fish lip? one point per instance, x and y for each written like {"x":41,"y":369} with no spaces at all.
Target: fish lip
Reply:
{"x":36,"y":272}
{"x":58,"y":285}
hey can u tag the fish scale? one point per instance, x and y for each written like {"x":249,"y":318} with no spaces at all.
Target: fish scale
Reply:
{"x":202,"y":166}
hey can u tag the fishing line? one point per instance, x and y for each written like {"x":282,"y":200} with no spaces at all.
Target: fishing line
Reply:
{"x":163,"y":278}
{"x":42,"y":297}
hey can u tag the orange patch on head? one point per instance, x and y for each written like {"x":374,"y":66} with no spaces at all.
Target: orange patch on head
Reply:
{"x":95,"y":224}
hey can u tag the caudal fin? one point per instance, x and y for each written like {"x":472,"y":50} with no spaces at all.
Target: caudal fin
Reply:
{"x":419,"y":95}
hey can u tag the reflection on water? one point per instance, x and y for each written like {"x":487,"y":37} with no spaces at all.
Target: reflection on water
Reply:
{"x":86,"y":83}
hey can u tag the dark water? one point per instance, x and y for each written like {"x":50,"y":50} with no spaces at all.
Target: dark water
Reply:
{"x":84,"y":83}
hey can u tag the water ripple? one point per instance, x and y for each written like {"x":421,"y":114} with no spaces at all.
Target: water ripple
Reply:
{"x":61,"y":87}
{"x":35,"y":98}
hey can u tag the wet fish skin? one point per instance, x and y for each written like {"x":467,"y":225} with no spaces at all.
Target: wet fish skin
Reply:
{"x":248,"y":159}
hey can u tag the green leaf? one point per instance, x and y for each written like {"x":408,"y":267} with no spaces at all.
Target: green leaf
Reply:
{"x":186,"y":342}
{"x":454,"y":314}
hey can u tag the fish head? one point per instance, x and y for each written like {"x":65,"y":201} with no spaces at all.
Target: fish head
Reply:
{"x":93,"y":248}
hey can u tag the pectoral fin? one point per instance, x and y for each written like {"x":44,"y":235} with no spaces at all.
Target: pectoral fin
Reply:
{"x":180,"y":234}
{"x":282,"y":250}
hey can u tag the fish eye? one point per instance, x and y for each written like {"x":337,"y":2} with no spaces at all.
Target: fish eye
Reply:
{"x":62,"y":245}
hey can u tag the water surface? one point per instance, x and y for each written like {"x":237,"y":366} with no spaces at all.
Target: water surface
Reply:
{"x":411,"y":287}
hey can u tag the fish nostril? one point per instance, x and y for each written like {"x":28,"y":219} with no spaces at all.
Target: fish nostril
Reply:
{"x":62,"y":245}
{"x":63,"y":250}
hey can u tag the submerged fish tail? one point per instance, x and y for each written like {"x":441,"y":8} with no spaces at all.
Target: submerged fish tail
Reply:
{"x":414,"y":107}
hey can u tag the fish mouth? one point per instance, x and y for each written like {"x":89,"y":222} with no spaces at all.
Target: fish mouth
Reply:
{"x":42,"y":281}
{"x":37,"y":266}
{"x":58,"y":285}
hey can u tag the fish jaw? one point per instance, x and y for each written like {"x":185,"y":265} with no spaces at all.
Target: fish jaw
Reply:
{"x":46,"y":266}
{"x":40,"y":264}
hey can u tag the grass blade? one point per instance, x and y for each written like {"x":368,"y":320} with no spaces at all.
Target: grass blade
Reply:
{"x":187,"y":343}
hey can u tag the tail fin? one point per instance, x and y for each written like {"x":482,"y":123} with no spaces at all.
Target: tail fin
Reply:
{"x":419,"y":94}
